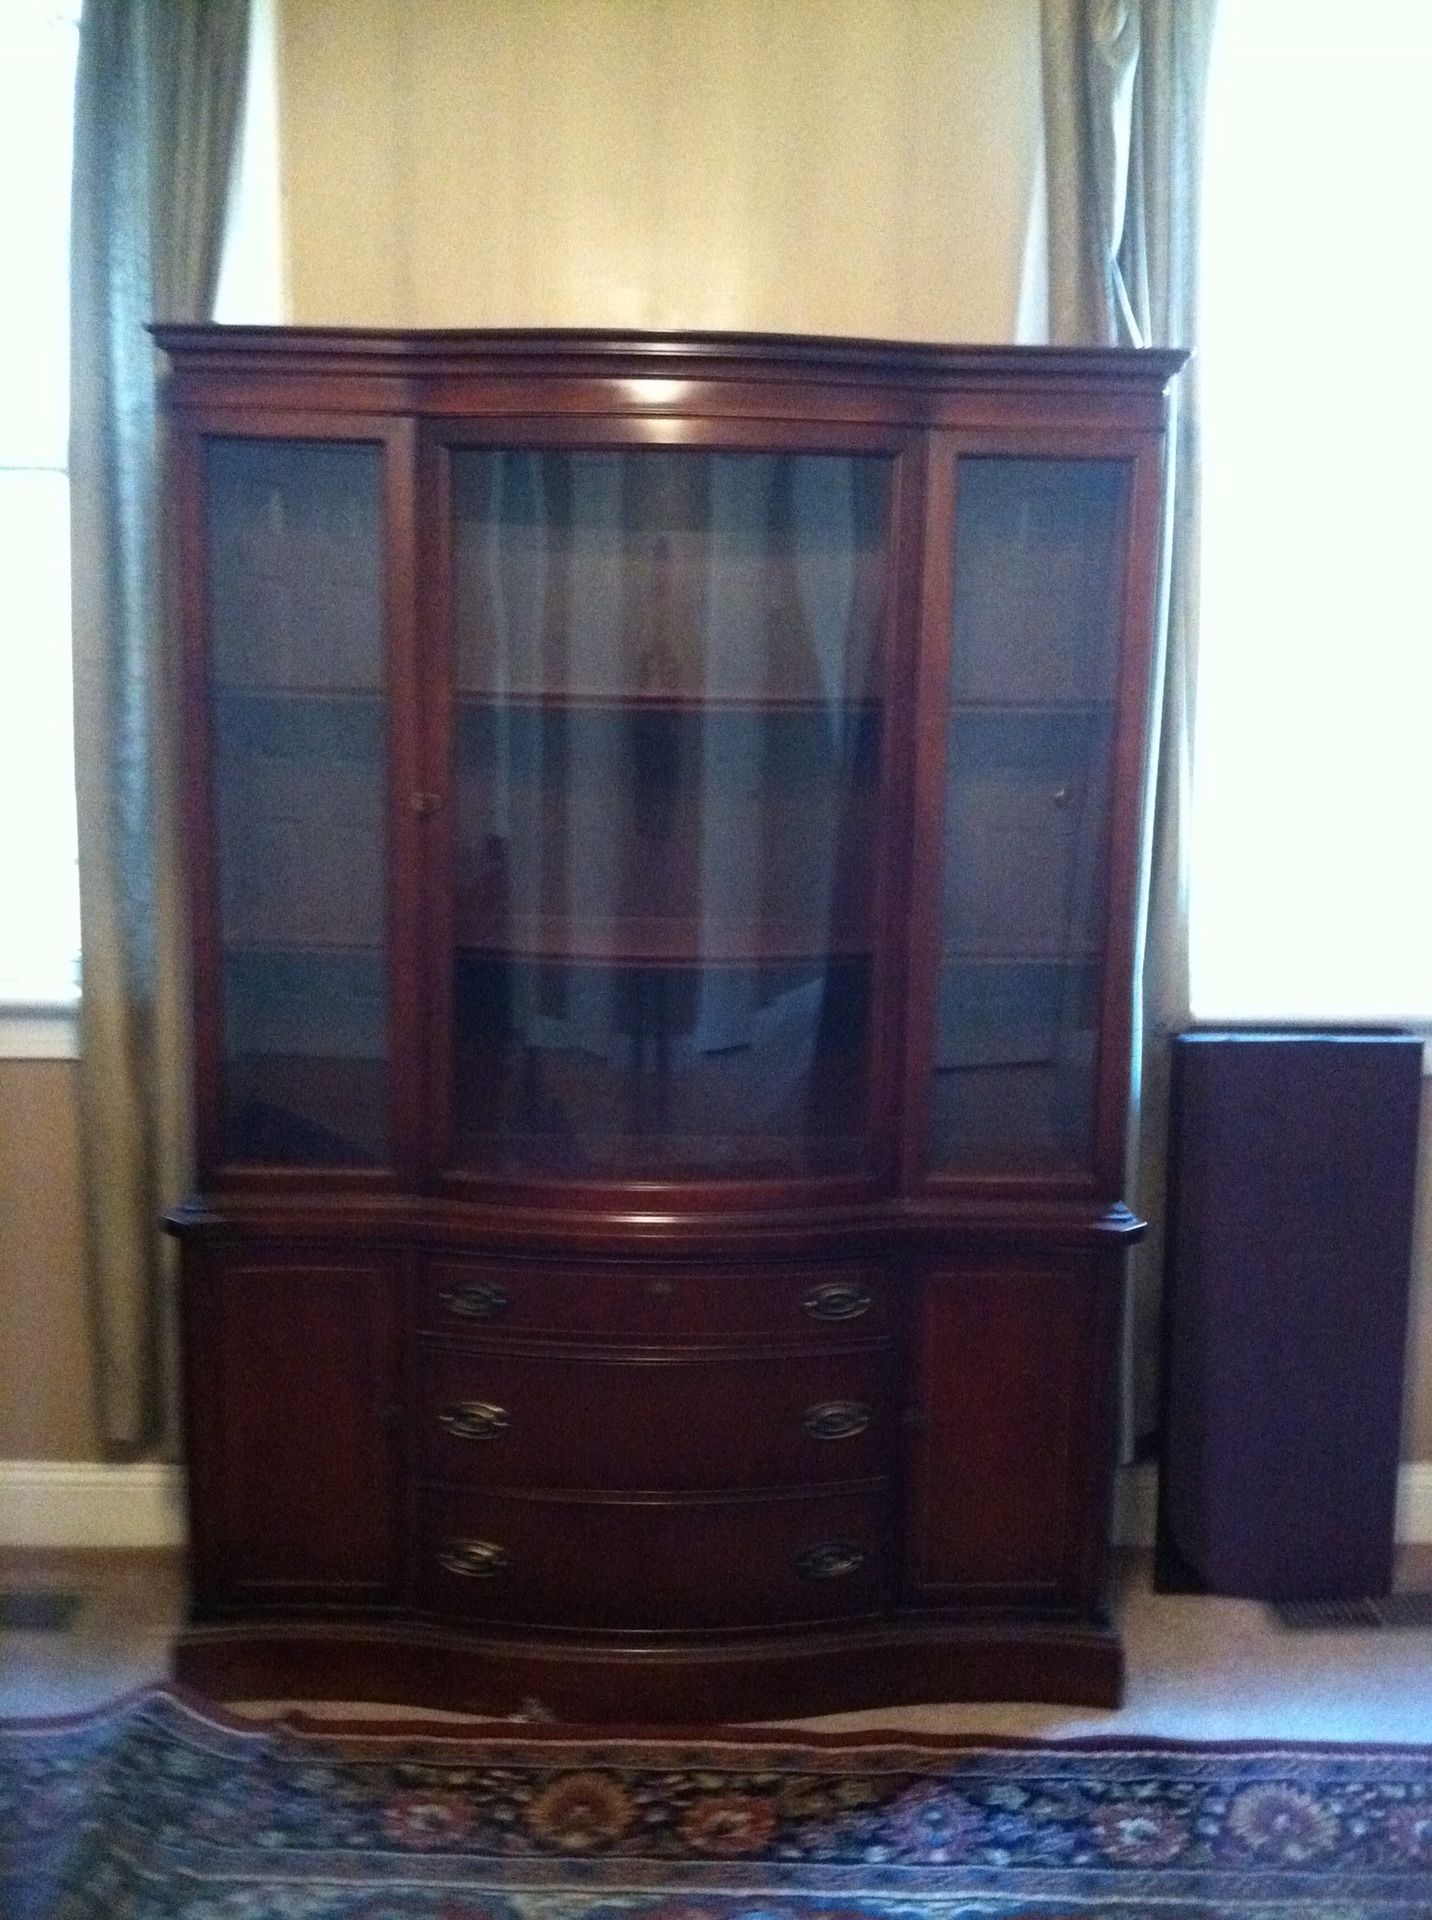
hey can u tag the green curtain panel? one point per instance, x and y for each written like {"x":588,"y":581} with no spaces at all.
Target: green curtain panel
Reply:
{"x":1125,"y":87}
{"x":158,"y":104}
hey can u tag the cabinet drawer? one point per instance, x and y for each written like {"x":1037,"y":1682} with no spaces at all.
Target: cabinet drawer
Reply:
{"x":653,"y":1564}
{"x":653,"y":1423}
{"x":591,"y":1301}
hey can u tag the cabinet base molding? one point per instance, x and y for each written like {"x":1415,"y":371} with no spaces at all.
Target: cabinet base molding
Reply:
{"x":882,"y":1664}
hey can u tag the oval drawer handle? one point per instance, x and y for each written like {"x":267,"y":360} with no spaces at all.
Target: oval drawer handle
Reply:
{"x":831,"y":1560}
{"x":473,"y":1420}
{"x":476,"y":1300}
{"x":836,"y":1419}
{"x":473,"y":1559}
{"x":838,"y":1300}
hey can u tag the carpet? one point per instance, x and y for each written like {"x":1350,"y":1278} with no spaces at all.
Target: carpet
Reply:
{"x":161,"y":1808}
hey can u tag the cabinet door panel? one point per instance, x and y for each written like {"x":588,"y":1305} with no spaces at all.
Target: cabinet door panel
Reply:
{"x":1013,"y":1367}
{"x":293,"y":1391}
{"x":667,"y":748}
{"x":298,"y":712}
{"x":1036,"y":634}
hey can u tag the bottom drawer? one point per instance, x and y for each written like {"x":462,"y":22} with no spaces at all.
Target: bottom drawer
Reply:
{"x":652,"y":1564}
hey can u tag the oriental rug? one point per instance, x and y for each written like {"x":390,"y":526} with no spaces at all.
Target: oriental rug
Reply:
{"x":162,"y":1808}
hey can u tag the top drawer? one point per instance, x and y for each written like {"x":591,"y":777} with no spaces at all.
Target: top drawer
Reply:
{"x":583,"y":1300}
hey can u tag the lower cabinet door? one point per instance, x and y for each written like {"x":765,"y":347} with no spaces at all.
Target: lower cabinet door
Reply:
{"x":1011,"y":1469}
{"x":292,"y":1389}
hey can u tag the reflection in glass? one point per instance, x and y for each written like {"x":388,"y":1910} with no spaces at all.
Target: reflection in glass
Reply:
{"x":1038,"y":572}
{"x":299,"y":724}
{"x":667,"y":753}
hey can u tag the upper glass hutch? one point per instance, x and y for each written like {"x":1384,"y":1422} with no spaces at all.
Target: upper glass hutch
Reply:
{"x":664,"y":808}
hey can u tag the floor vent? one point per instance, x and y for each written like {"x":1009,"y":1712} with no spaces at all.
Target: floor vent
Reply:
{"x":38,"y":1609}
{"x":1397,"y":1610}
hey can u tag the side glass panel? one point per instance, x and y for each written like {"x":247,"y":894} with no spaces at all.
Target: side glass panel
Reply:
{"x":1039,"y":567}
{"x":668,"y":738}
{"x":300,"y":726}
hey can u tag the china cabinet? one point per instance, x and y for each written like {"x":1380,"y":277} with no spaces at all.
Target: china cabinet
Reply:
{"x":665,"y":821}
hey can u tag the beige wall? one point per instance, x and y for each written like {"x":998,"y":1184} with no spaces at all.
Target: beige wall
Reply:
{"x":843,"y":166}
{"x":46,"y":1380}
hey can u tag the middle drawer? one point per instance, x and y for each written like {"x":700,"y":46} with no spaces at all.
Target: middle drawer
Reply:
{"x":663,"y":1423}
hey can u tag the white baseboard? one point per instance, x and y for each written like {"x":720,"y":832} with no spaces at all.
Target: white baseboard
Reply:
{"x":62,"y":1503}
{"x":1414,"y":1504}
{"x":1136,"y":1498}
{"x":1136,"y":1501}
{"x":83,"y":1503}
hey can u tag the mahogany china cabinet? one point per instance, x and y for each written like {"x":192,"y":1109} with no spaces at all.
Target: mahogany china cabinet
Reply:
{"x":666,"y":820}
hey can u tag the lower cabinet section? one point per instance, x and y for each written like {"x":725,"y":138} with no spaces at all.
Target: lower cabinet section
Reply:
{"x":654,"y":1564}
{"x":915,"y":1457}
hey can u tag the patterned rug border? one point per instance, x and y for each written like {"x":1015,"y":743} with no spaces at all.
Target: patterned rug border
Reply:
{"x":162,"y":1803}
{"x":298,"y":1723}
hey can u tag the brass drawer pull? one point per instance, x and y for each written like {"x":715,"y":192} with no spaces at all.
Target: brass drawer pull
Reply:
{"x":838,"y":1300}
{"x":473,"y":1559}
{"x":476,"y":1300}
{"x":473,"y":1420}
{"x":836,"y":1419}
{"x":831,"y":1560}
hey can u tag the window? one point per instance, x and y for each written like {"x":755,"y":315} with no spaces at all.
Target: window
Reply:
{"x":39,"y":951}
{"x":39,"y":890}
{"x":1312,"y":815}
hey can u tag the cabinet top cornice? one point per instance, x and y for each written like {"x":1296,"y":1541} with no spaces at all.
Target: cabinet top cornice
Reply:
{"x":615,"y":354}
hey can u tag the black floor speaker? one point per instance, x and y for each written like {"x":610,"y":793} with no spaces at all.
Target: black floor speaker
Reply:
{"x":1292,"y":1173}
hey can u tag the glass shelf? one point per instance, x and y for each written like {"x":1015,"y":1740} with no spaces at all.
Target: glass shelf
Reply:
{"x":635,"y":700}
{"x":1029,"y":957}
{"x":241,"y":941}
{"x":1034,"y":709}
{"x":673,"y":943}
{"x":241,"y":693}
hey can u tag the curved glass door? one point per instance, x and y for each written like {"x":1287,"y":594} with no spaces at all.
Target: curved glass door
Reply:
{"x":667,"y":737}
{"x":1038,"y":589}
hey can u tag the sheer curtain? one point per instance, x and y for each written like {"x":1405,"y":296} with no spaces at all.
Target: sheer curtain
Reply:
{"x":158,"y":100}
{"x":1124,"y":92}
